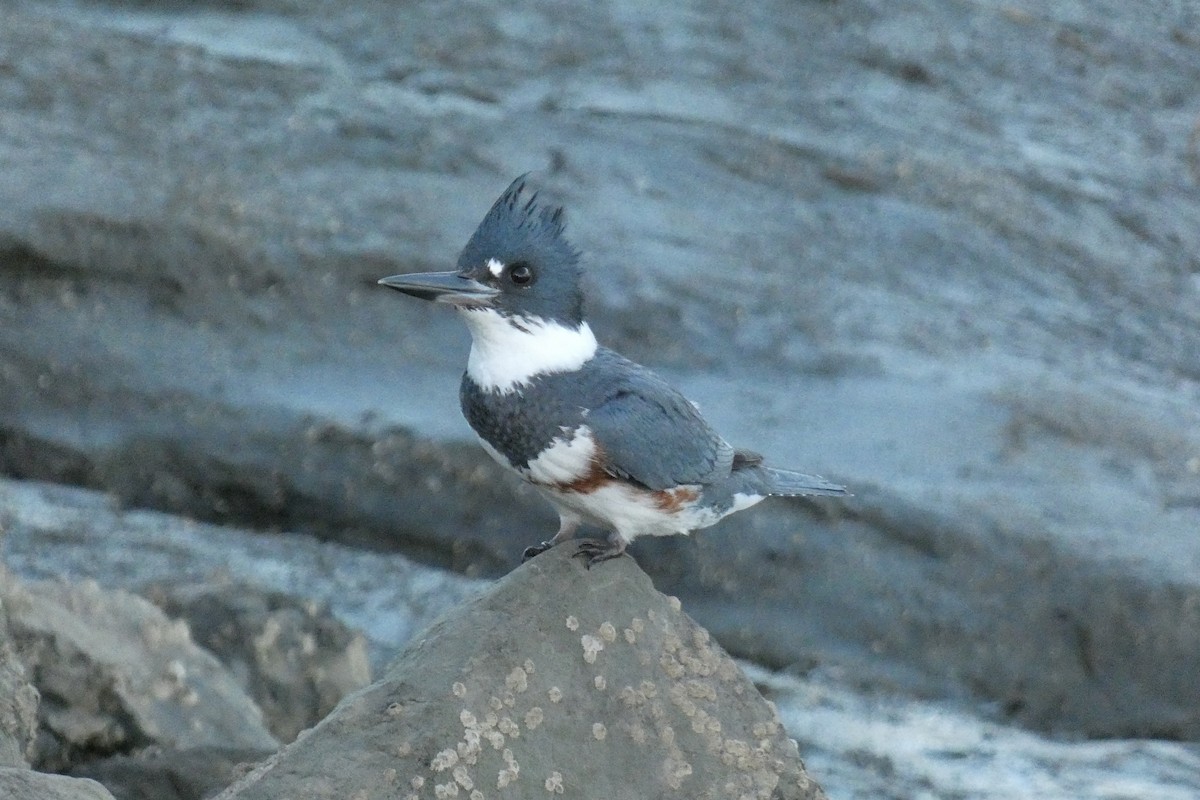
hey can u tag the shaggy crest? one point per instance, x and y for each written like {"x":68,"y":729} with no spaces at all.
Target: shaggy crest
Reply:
{"x":550,"y":217}
{"x":517,"y":227}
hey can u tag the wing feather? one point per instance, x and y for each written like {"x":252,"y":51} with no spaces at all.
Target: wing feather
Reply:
{"x":652,"y":434}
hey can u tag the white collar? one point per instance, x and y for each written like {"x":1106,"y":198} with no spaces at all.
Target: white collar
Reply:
{"x":507,"y":352}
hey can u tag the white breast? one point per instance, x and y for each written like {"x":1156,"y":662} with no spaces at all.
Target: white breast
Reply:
{"x":566,"y":460}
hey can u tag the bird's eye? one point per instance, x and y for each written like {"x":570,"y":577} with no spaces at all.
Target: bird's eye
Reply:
{"x":520,"y":274}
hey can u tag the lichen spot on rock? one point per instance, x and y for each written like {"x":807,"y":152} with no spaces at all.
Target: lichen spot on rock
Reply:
{"x":608,"y":632}
{"x":671,"y":666}
{"x":534,"y":717}
{"x":572,"y":623}
{"x":444,"y":760}
{"x":599,"y":731}
{"x":555,"y":694}
{"x":676,"y":770}
{"x":510,"y":772}
{"x":600,"y":682}
{"x":554,"y":783}
{"x":459,"y":689}
{"x":517,"y":680}
{"x":591,"y":647}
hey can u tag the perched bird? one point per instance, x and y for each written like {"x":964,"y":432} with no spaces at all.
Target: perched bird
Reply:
{"x":605,"y":440}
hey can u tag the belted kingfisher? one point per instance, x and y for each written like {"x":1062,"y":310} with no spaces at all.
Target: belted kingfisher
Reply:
{"x":605,"y":440}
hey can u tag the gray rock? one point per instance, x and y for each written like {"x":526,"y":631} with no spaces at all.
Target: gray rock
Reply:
{"x":554,"y":680}
{"x":290,"y":655}
{"x":860,"y":741}
{"x":25,"y":784}
{"x":18,"y":698}
{"x":953,"y":261}
{"x":63,"y":532}
{"x":115,"y":674}
{"x":166,"y":774}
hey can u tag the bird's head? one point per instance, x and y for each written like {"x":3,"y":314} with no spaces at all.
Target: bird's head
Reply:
{"x":517,"y":263}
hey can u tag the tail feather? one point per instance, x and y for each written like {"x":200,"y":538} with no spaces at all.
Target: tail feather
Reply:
{"x":787,"y":483}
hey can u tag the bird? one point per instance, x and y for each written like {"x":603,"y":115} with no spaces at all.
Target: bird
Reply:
{"x":604,"y":439}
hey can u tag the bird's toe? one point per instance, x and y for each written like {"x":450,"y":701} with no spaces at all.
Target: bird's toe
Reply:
{"x":536,"y":550}
{"x":597,"y":552}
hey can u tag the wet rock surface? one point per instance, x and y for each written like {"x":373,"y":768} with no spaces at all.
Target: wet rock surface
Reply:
{"x":857,"y":740}
{"x":168,"y":774}
{"x":65,"y":533}
{"x":115,"y":675}
{"x":129,"y":700}
{"x":291,"y":656}
{"x":555,"y":679}
{"x":942,"y":252}
{"x":25,"y":784}
{"x":18,"y":700}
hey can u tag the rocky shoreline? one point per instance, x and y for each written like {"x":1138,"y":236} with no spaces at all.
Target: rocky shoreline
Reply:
{"x":105,"y":685}
{"x":942,"y":252}
{"x":293,"y":655}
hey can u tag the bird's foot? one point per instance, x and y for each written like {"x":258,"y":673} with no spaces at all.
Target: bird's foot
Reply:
{"x":567,"y":525}
{"x":537,"y":549}
{"x":597,"y":552}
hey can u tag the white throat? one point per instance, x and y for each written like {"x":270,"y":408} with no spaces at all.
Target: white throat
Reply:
{"x":507,"y":352}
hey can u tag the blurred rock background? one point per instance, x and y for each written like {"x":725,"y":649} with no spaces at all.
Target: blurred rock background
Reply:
{"x":944,"y":251}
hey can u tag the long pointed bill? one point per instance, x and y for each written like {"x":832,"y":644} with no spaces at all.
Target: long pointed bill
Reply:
{"x":443,"y":287}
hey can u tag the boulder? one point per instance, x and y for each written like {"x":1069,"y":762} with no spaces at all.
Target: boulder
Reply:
{"x":554,"y":679}
{"x":18,"y":698}
{"x":291,"y":655}
{"x":115,"y":675}
{"x":25,"y":784}
{"x":166,"y":774}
